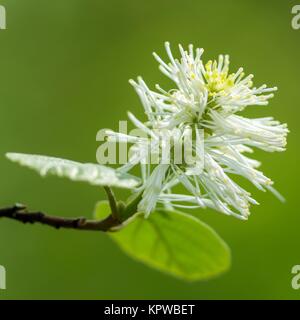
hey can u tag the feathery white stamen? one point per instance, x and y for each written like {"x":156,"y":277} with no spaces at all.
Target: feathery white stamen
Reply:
{"x":206,"y":96}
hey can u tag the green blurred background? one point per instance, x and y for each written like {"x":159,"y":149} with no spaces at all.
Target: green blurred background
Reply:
{"x":64,"y":70}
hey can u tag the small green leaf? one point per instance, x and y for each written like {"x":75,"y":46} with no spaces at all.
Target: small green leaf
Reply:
{"x":175,"y":243}
{"x":102,"y":210}
{"x":94,"y":174}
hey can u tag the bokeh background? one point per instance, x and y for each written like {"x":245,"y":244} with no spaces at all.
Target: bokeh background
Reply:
{"x":64,"y":70}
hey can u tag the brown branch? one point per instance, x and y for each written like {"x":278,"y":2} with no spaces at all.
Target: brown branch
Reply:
{"x":20,"y":213}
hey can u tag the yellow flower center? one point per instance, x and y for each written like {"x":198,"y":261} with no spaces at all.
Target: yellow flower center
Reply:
{"x":217,"y":80}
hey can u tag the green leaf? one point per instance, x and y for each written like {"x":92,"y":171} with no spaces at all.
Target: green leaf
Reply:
{"x":94,"y":174}
{"x":175,"y":243}
{"x":102,"y":210}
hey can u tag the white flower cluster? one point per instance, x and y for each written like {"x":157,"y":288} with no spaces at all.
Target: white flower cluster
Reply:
{"x":206,"y":97}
